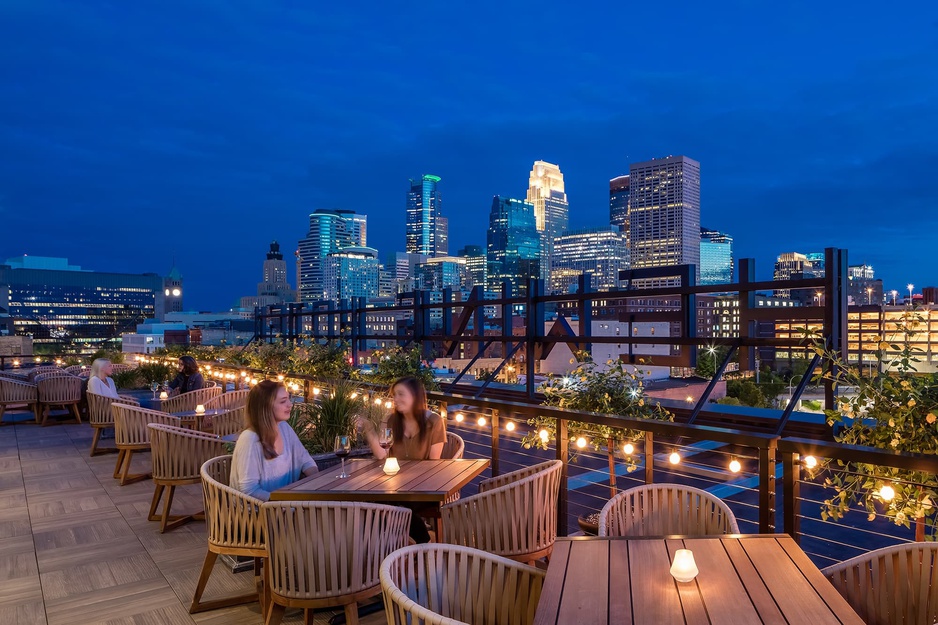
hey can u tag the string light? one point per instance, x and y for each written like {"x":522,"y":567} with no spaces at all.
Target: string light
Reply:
{"x":628,"y":449}
{"x":674,"y":458}
{"x":810,"y":462}
{"x":581,"y":442}
{"x":377,"y":401}
{"x":481,"y":421}
{"x":460,"y":417}
{"x":354,"y":395}
{"x":316,"y":391}
{"x":388,"y":404}
{"x":735,"y":466}
{"x":280,"y":378}
{"x":887,"y":492}
{"x":510,"y":426}
{"x":544,"y":435}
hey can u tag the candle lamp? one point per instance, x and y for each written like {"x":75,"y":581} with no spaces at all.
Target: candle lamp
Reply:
{"x":200,"y":409}
{"x":164,"y":395}
{"x":684,"y":569}
{"x":391,"y":466}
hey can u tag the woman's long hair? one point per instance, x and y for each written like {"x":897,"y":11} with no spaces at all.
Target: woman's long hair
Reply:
{"x":416,"y":389}
{"x":189,"y":365}
{"x":260,"y":414}
{"x":96,"y":367}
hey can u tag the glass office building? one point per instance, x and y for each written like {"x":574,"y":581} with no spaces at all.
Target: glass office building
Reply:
{"x":513,"y":248}
{"x":352,"y":272}
{"x":476,"y":264}
{"x":599,"y":252}
{"x":441,"y":273}
{"x":716,"y":257}
{"x":427,"y":231}
{"x":619,"y":203}
{"x":329,"y":231}
{"x":55,"y":302}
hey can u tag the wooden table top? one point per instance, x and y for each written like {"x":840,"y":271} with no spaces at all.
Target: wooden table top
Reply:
{"x":189,"y":414}
{"x":743,"y":579}
{"x":417,"y":481}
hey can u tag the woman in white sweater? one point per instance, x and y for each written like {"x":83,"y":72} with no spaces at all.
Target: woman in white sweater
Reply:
{"x":268,"y":454}
{"x":100,"y":382}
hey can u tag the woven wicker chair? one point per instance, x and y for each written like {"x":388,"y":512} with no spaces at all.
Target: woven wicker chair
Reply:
{"x":445,"y":584}
{"x":454,"y":447}
{"x":18,"y":393}
{"x":122,"y":367}
{"x":228,"y":401}
{"x":664,"y":510}
{"x":187,"y":402}
{"x":891,"y":586}
{"x":15,"y":376}
{"x":235,"y":527}
{"x":42,"y":370}
{"x":324,"y":554}
{"x":101,"y":417}
{"x":58,"y":389}
{"x":228,"y":423}
{"x":514,"y":515}
{"x":74,"y":370}
{"x":178,"y":455}
{"x":131,"y":434}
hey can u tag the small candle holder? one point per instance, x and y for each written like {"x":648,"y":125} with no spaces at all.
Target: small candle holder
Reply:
{"x":391,"y":466}
{"x":164,"y":395}
{"x":684,"y":568}
{"x":200,"y":409}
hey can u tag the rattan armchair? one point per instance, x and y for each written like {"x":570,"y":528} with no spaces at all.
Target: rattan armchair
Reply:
{"x":228,"y":401}
{"x":131,"y":435}
{"x":664,"y":510}
{"x":454,"y":447}
{"x":227,"y":423}
{"x":324,"y":554}
{"x":58,"y":389}
{"x":18,"y":393}
{"x":178,"y":455}
{"x":235,"y":527}
{"x":75,"y":370}
{"x":100,"y":416}
{"x":186,"y":402}
{"x":449,"y":585}
{"x":891,"y":586}
{"x":514,"y":515}
{"x":33,"y":373}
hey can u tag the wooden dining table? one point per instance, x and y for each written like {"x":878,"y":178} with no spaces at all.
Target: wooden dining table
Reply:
{"x":418,"y":481}
{"x":742,"y":579}
{"x":197,"y":418}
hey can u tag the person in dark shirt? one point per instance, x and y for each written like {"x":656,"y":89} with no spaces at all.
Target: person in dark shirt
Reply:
{"x":188,"y":378}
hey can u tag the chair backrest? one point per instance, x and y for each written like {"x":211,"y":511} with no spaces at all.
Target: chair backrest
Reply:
{"x":454,"y":447}
{"x":434,"y":583}
{"x":122,"y":367}
{"x":58,"y":387}
{"x":74,"y":369}
{"x":228,"y":401}
{"x":178,"y":453}
{"x":515,"y":519}
{"x":891,"y":586}
{"x":231,"y":422}
{"x":10,"y":375}
{"x":233,"y":520}
{"x":666,"y":509}
{"x":99,"y":409}
{"x":324,"y":549}
{"x":37,"y":371}
{"x":130,"y":424}
{"x":17,"y":391}
{"x":186,"y":402}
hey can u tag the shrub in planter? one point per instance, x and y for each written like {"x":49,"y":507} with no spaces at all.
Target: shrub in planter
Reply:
{"x":333,"y":414}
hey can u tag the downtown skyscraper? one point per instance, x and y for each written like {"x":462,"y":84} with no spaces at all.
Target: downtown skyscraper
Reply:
{"x":664,"y":214}
{"x":514,"y":245}
{"x":619,"y":203}
{"x":551,"y":210}
{"x":427,"y":229}
{"x":716,"y":257}
{"x":329,"y":231}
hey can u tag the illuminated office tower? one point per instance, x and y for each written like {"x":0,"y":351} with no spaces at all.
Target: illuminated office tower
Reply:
{"x":551,"y":211}
{"x":664,"y":214}
{"x":599,"y":252}
{"x":619,"y":204}
{"x":514,"y":249}
{"x":329,"y":231}
{"x":351,"y":272}
{"x":476,"y":264}
{"x":427,"y":230}
{"x":794,"y":265}
{"x":716,"y":257}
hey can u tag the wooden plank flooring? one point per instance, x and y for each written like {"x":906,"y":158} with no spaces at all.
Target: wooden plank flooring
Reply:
{"x":76,"y":547}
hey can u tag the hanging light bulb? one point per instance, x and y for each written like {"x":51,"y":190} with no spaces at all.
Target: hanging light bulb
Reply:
{"x":460,"y":417}
{"x":580,"y":442}
{"x":674,"y":458}
{"x":735,"y":466}
{"x":510,"y":426}
{"x":354,"y":395}
{"x":388,"y":404}
{"x":280,"y":377}
{"x":544,"y":435}
{"x":377,"y":401}
{"x":628,"y":449}
{"x":482,"y":421}
{"x":887,"y":493}
{"x":316,"y":391}
{"x":810,"y":462}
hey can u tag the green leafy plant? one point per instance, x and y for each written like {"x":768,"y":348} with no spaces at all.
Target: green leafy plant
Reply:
{"x":333,"y":414}
{"x":614,"y":389}
{"x":128,"y":379}
{"x":398,"y":362}
{"x":155,"y":372}
{"x":322,"y":361}
{"x":115,"y":356}
{"x":895,"y":409}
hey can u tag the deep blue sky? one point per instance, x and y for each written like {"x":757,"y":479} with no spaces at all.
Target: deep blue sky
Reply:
{"x":130,"y":130}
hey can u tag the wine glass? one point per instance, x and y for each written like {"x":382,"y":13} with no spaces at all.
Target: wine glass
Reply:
{"x":154,"y":386}
{"x":343,"y":447}
{"x":385,"y":439}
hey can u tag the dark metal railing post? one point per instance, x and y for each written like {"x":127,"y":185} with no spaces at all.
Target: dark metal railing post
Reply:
{"x":767,"y":488}
{"x":791,"y":494}
{"x":649,"y":458}
{"x":307,"y":391}
{"x":563,"y":454}
{"x":495,"y":436}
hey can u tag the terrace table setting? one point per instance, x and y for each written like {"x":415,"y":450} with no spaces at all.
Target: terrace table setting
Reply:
{"x":191,"y":417}
{"x":739,"y":579}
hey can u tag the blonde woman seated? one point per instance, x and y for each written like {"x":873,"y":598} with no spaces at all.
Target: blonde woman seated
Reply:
{"x":100,"y":382}
{"x":268,"y":454}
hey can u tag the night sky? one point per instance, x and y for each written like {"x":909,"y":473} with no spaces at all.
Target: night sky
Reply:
{"x":133,"y":130}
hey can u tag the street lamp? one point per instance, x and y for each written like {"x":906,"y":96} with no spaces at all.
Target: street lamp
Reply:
{"x":894,"y":294}
{"x":817,"y":296}
{"x":713,"y":352}
{"x":910,"y":286}
{"x":869,"y":295}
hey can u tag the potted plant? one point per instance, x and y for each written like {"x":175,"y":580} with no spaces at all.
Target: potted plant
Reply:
{"x":615,"y":389}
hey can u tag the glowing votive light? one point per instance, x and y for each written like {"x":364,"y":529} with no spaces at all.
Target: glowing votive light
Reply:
{"x":581,"y":442}
{"x":510,"y":426}
{"x":481,"y":421}
{"x":460,"y":417}
{"x":164,"y":395}
{"x":391,"y":466}
{"x":316,"y":391}
{"x":200,"y":409}
{"x":887,"y":492}
{"x":810,"y":462}
{"x":544,"y":435}
{"x":674,"y":458}
{"x":684,"y":569}
{"x":280,"y":378}
{"x":735,"y":467}
{"x":628,"y":449}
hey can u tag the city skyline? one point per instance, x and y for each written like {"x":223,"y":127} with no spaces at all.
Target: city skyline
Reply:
{"x":155,"y":128}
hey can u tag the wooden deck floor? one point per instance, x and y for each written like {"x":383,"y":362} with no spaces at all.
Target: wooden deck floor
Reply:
{"x":76,"y":547}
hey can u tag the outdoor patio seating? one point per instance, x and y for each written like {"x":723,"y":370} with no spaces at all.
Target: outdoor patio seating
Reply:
{"x":18,"y":394}
{"x":666,"y":509}
{"x":514,"y":515}
{"x":228,"y":401}
{"x":132,"y":435}
{"x":58,"y":389}
{"x":101,"y":417}
{"x":186,"y":402}
{"x":328,"y":554}
{"x":437,"y":584}
{"x":227,"y":423}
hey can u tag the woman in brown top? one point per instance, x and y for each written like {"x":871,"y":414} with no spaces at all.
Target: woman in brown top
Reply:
{"x":418,"y":435}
